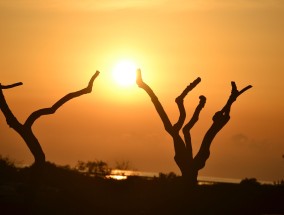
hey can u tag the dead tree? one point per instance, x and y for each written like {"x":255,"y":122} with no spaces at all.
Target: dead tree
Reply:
{"x":25,"y":129}
{"x":188,"y":164}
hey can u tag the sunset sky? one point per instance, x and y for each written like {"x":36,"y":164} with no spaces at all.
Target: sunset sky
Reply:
{"x":54,"y":47}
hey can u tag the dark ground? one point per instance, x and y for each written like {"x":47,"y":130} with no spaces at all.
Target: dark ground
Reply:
{"x":65,"y":191}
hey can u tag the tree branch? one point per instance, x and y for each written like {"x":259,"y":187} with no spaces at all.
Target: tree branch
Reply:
{"x":11,"y":85}
{"x":220,"y":119}
{"x":163,"y":115}
{"x":179,"y":101}
{"x":186,"y":129}
{"x":11,"y":120}
{"x":46,"y":111}
{"x":189,"y":88}
{"x":234,"y":95}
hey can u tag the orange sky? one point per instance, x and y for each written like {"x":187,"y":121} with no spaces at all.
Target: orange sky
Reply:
{"x":54,"y":48}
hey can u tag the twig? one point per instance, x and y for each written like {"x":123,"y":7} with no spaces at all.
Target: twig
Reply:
{"x":10,"y":85}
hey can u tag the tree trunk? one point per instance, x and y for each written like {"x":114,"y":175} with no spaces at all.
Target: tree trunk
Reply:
{"x":33,"y":145}
{"x":25,"y":130}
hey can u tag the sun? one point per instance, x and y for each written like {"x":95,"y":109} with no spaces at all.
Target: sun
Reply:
{"x":124,"y":73}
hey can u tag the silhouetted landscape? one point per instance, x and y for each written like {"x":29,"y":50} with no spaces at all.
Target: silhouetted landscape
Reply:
{"x":202,"y":124}
{"x":45,"y":188}
{"x":66,"y":190}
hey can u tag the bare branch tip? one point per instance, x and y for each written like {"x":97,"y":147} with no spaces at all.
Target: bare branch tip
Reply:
{"x":245,"y":89}
{"x":234,"y":86}
{"x":139,"y":80}
{"x":11,"y":85}
{"x":202,"y":100}
{"x":91,"y":82}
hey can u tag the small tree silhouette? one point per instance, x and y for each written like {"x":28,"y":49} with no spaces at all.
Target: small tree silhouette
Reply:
{"x":25,"y":129}
{"x":96,"y":168}
{"x":187,"y":163}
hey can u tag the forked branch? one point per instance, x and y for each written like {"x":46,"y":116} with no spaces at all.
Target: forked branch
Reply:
{"x":179,"y":101}
{"x":186,"y":129}
{"x":220,"y":119}
{"x":235,"y":93}
{"x":188,"y":165}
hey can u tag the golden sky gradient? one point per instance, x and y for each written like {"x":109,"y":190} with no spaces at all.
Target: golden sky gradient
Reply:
{"x":54,"y":48}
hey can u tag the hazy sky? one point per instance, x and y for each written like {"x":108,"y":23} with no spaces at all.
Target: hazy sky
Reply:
{"x":54,"y":48}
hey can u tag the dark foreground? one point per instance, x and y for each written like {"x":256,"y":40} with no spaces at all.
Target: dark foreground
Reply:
{"x":63,"y":191}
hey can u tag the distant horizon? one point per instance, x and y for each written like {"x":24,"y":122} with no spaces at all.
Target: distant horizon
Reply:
{"x":137,"y":172}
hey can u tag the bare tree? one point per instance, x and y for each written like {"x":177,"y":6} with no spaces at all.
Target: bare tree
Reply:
{"x":188,"y":164}
{"x":25,"y":129}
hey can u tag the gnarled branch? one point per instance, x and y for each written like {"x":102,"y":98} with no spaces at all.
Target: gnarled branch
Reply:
{"x":186,"y":129}
{"x":220,"y":119}
{"x":179,"y":101}
{"x":46,"y":111}
{"x":235,"y":93}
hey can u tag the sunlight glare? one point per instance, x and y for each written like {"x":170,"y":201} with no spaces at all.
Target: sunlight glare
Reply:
{"x":117,"y":177}
{"x":124,"y":73}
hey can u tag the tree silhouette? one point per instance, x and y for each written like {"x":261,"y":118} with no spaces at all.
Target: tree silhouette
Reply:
{"x":188,"y":164}
{"x":97,"y":168}
{"x":25,"y":129}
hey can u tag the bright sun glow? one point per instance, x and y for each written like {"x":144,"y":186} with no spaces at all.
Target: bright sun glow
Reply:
{"x":124,"y":73}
